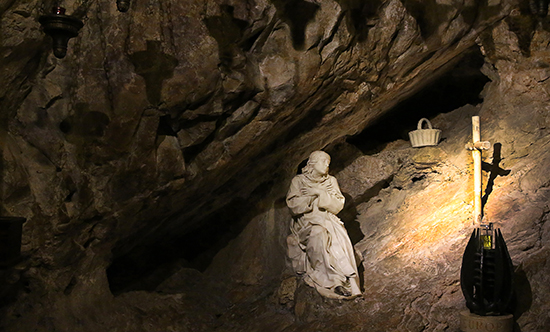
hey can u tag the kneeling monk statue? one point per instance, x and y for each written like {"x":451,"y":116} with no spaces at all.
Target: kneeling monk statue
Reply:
{"x":319,"y":246}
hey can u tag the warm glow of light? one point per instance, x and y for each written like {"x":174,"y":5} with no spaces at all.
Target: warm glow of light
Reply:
{"x":434,"y":225}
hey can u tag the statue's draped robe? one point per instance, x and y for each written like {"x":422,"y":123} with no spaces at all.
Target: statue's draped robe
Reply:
{"x":319,"y":245}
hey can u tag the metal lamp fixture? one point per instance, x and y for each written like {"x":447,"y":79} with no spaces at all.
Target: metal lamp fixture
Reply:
{"x":487,"y":272}
{"x":123,"y":5}
{"x":61,"y":28}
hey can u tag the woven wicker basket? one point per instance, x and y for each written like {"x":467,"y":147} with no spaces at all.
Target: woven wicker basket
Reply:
{"x":424,"y":137}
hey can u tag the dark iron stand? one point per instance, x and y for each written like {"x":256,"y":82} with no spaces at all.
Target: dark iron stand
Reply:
{"x":486,"y":276}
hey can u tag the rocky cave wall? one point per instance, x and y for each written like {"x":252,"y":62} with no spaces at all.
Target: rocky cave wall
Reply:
{"x":413,"y":208}
{"x":172,"y":128}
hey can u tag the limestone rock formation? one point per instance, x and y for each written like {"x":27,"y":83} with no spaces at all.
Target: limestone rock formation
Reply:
{"x":152,"y":161}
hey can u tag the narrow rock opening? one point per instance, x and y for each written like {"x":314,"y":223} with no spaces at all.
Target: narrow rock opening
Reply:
{"x":460,"y":86}
{"x":418,"y":178}
{"x":165,"y":126}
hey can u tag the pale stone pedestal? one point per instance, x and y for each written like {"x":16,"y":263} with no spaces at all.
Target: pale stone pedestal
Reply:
{"x":473,"y":323}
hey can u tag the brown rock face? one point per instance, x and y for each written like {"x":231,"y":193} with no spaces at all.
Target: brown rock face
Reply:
{"x":163,"y":144}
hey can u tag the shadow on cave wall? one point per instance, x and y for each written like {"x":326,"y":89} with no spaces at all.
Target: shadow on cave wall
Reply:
{"x":145,"y":267}
{"x":155,"y":67}
{"x":360,"y":16}
{"x":297,"y":14}
{"x":228,"y":32}
{"x":524,"y":21}
{"x":494,"y":171}
{"x":523,"y":295}
{"x":429,"y":14}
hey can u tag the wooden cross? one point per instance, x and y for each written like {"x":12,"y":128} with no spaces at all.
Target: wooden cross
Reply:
{"x":476,"y":146}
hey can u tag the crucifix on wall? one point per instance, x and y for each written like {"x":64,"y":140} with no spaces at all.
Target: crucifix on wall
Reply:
{"x":476,"y":146}
{"x":487,"y":270}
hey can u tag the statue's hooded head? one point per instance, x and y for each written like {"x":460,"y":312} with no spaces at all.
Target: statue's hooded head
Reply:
{"x":317,"y":164}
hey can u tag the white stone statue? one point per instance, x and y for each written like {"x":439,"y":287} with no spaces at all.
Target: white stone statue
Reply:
{"x":319,"y":245}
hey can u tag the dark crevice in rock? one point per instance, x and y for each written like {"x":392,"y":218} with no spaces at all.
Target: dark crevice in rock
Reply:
{"x":222,"y":227}
{"x":166,"y":126}
{"x":68,"y":290}
{"x":42,"y":119}
{"x":418,"y":178}
{"x":187,"y":110}
{"x":88,"y":242}
{"x":348,"y":215}
{"x":374,"y":190}
{"x":191,"y":152}
{"x":52,"y":101}
{"x":70,"y":196}
{"x":460,"y":86}
{"x":342,"y":154}
{"x":486,"y":39}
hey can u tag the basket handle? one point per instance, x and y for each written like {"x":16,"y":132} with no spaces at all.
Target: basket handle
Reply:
{"x":420,"y":123}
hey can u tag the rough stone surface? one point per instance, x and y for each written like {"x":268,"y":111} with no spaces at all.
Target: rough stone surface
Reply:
{"x":184,"y":118}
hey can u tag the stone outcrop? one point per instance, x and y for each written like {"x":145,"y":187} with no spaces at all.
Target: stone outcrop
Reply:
{"x":185,"y":121}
